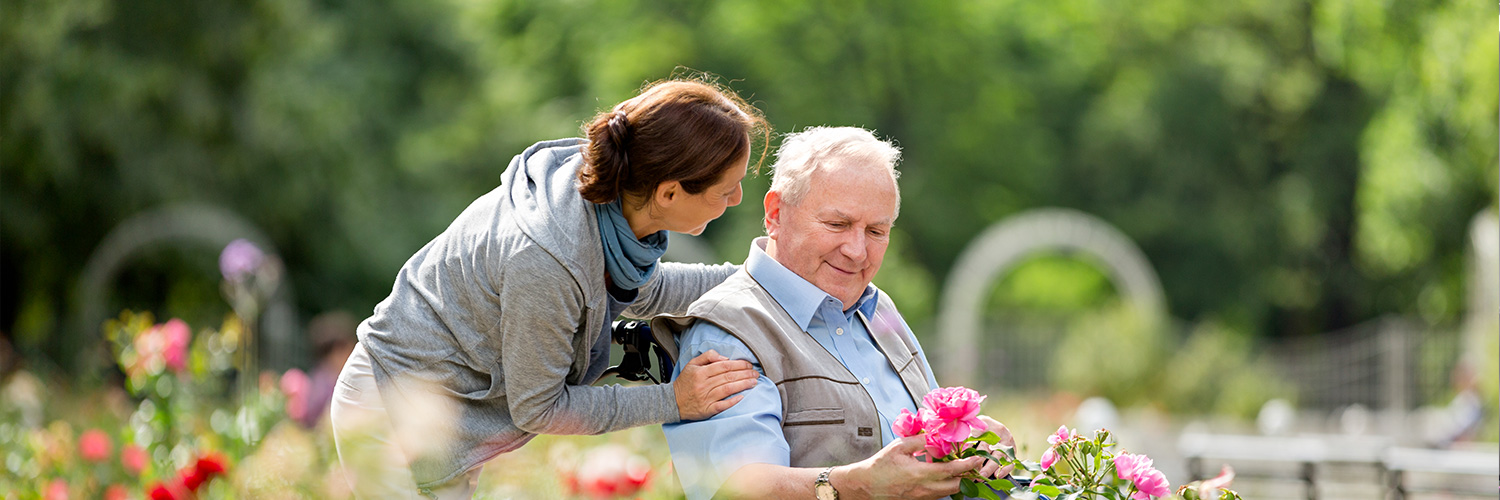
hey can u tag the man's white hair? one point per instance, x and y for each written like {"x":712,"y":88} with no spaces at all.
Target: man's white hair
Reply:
{"x":803,"y":153}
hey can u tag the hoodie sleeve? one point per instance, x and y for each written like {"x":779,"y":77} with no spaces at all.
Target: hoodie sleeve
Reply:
{"x":542,"y":311}
{"x":676,"y":285}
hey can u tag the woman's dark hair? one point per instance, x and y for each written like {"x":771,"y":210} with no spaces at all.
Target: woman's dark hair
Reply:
{"x":687,"y":131}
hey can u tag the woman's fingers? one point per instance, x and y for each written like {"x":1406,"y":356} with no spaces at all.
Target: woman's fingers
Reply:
{"x":722,"y":405}
{"x":725,"y":390}
{"x":705,"y":358}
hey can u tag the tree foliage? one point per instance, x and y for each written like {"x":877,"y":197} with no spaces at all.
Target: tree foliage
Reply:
{"x":1288,"y":167}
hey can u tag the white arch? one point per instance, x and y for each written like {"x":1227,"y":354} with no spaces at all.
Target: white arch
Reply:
{"x":1005,"y":244}
{"x":196,"y":224}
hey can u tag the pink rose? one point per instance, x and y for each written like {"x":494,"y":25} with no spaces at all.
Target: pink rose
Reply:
{"x":1049,"y":458}
{"x":1062,"y":434}
{"x":1128,"y":466}
{"x":94,"y":445}
{"x":908,"y":424}
{"x":957,"y":411}
{"x":176,"y":335}
{"x":937,"y":447}
{"x":1149,"y":483}
{"x":133,"y":458}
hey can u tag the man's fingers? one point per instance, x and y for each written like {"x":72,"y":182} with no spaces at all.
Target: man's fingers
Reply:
{"x":945,"y":487}
{"x":909,"y":445}
{"x":989,"y":468}
{"x":957,"y":467}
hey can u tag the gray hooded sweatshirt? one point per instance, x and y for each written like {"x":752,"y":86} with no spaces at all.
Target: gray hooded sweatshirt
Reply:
{"x":497,"y":323}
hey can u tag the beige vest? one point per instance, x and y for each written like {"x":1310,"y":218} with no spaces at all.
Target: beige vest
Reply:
{"x":827,"y":416}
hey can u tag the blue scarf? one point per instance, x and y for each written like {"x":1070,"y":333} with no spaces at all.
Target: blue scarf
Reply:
{"x":630,"y":261}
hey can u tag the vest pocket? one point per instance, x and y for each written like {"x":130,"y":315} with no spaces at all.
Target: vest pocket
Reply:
{"x":816,"y":416}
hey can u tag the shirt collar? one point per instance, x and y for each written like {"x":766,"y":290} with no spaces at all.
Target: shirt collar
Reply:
{"x":799,"y":297}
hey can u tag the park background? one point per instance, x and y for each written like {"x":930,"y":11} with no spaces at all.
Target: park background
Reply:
{"x":1300,"y":176}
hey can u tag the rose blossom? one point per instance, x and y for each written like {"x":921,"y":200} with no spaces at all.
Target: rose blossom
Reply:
{"x":1062,"y":434}
{"x":1150,"y":482}
{"x":1128,"y":466}
{"x":94,"y":445}
{"x":937,"y":447}
{"x":906,"y":425}
{"x":957,"y":411}
{"x":1049,"y":458}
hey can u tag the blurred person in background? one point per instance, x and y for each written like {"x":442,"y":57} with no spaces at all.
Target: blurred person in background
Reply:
{"x":333,"y":339}
{"x":495,"y":330}
{"x":838,"y":362}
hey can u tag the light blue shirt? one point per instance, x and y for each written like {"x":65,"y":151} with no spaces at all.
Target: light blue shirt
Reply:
{"x":706,"y":452}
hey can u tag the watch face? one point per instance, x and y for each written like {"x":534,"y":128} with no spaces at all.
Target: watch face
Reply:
{"x":825,"y":491}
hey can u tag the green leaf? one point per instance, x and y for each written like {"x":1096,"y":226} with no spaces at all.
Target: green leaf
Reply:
{"x":1045,"y":489}
{"x":967,"y":488}
{"x":1002,"y":484}
{"x":988,"y":493}
{"x":988,"y":437}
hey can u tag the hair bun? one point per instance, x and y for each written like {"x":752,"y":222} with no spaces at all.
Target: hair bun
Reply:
{"x":619,"y":128}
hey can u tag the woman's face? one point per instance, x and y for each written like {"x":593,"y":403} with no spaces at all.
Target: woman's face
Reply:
{"x":692,"y":213}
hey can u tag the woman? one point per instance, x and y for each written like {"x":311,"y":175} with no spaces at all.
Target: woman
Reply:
{"x":495,"y":329}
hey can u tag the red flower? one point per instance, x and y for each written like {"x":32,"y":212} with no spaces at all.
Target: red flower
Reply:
{"x":208,"y":467}
{"x":165,"y":491}
{"x":94,"y":445}
{"x":189,"y":479}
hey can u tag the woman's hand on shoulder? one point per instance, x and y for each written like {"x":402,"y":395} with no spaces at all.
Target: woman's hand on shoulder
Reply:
{"x":706,"y":382}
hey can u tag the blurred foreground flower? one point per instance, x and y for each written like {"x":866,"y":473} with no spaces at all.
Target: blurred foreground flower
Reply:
{"x":608,"y":471}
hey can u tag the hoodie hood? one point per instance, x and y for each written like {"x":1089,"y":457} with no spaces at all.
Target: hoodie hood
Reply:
{"x":541,"y":193}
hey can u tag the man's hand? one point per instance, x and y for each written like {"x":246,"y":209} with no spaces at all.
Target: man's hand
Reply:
{"x":707,"y":380}
{"x":894,"y":473}
{"x":991,"y":469}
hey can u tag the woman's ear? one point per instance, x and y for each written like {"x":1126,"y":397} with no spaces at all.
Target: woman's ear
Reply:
{"x":667,"y":193}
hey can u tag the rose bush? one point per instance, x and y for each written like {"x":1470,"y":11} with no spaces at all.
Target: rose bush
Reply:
{"x":1072,"y":467}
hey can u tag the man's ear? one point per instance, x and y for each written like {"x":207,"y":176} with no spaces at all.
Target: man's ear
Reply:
{"x":666,"y":193}
{"x":773,"y":213}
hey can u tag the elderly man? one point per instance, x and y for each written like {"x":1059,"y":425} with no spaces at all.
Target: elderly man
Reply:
{"x":837,"y":361}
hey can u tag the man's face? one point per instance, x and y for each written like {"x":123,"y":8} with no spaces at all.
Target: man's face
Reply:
{"x":836,"y":236}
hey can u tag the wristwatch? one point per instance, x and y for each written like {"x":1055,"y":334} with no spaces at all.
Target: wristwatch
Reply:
{"x":824,"y":489}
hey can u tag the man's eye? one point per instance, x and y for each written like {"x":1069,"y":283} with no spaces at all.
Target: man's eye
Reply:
{"x":837,"y":225}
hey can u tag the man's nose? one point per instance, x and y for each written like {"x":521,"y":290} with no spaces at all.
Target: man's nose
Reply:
{"x":853,"y":246}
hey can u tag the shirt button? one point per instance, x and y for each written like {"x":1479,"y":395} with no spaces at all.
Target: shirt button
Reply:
{"x":865,"y":381}
{"x":839,"y":331}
